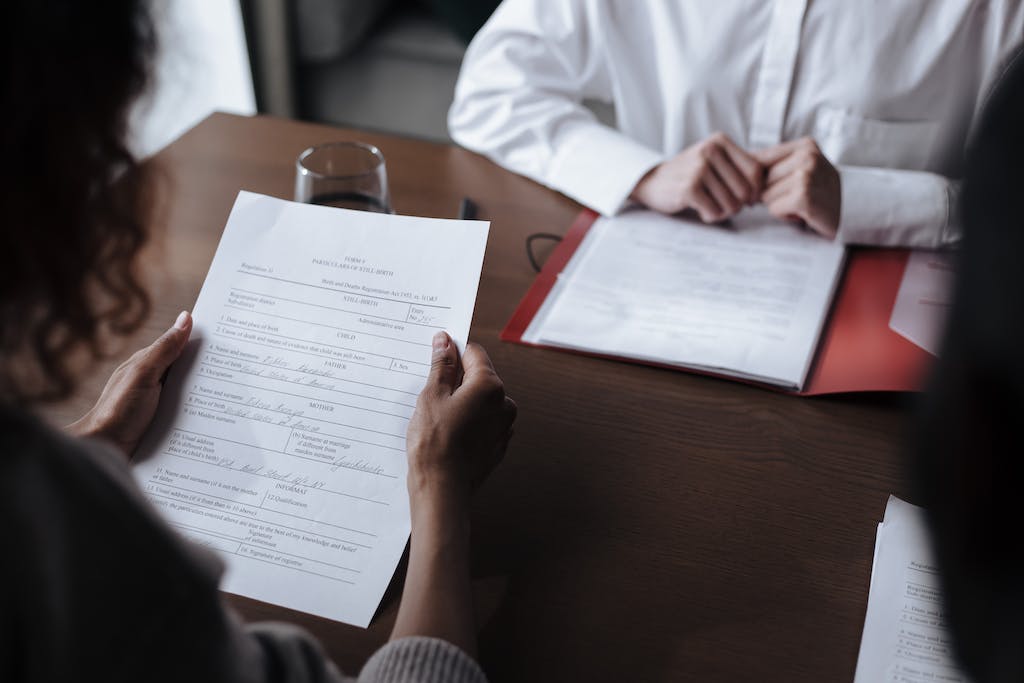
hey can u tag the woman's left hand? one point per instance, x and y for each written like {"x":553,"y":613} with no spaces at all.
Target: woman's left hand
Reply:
{"x":128,"y":402}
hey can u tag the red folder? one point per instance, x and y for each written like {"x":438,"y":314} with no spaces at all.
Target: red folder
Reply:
{"x":857,"y":350}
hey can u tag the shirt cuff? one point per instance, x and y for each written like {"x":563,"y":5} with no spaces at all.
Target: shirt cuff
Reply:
{"x":599,"y":167}
{"x":885,"y":207}
{"x":418,"y":659}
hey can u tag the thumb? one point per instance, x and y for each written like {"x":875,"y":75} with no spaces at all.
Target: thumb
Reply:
{"x":159,"y":355}
{"x":770,"y":156}
{"x":444,"y":365}
{"x":477,"y":365}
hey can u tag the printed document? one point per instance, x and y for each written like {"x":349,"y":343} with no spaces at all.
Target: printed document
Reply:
{"x":280,"y":437}
{"x":924,"y":299}
{"x":747,"y":300}
{"x":905,"y":637}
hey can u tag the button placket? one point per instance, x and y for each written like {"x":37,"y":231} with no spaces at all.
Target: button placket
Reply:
{"x":775,"y":79}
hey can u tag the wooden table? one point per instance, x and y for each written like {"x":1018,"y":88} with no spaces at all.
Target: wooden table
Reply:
{"x":646,"y":525}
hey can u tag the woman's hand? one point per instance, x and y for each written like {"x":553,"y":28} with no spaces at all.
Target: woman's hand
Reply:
{"x":456,"y":436}
{"x":802,"y":185}
{"x":713,"y":177}
{"x":128,"y":402}
{"x":460,"y":429}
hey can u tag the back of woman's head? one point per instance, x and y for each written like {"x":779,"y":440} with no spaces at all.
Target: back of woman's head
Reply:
{"x":970,"y":447}
{"x":72,"y":199}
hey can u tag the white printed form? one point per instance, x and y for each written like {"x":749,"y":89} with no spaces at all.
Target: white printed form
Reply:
{"x":924,"y":299}
{"x":747,"y":300}
{"x":905,"y":631}
{"x":280,"y":439}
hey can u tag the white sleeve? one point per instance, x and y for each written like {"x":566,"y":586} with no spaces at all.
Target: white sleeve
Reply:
{"x":886,"y":207}
{"x":519,"y":102}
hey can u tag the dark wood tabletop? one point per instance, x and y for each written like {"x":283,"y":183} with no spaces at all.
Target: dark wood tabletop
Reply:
{"x":646,"y":525}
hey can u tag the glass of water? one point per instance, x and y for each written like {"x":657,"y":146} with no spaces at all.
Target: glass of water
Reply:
{"x":347,"y":175}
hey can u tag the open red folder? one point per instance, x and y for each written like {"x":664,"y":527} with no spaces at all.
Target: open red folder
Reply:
{"x":857,"y":350}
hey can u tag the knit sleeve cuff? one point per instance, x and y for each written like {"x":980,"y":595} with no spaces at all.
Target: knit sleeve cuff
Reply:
{"x":421,"y":660}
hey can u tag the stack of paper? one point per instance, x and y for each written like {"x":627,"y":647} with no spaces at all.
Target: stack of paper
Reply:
{"x":280,"y":438}
{"x":748,"y":300}
{"x":905,"y":632}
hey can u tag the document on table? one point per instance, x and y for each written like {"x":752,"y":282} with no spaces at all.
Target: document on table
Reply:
{"x":280,"y":439}
{"x":924,"y":299}
{"x":905,"y":636}
{"x":748,"y":300}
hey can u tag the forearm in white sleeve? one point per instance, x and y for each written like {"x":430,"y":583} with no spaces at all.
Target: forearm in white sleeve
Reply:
{"x":886,"y":207}
{"x":519,"y":102}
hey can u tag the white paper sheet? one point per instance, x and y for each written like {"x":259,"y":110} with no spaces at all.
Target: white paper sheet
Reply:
{"x":922,"y":304}
{"x":280,"y":439}
{"x":905,"y":637}
{"x":748,"y":300}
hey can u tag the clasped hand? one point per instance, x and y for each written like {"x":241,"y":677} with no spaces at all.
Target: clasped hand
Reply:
{"x":716,"y":179}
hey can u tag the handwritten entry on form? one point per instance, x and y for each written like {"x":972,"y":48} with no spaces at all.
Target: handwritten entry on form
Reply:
{"x":280,"y":439}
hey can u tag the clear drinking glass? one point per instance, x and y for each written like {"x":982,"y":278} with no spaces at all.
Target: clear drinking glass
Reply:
{"x":347,"y":175}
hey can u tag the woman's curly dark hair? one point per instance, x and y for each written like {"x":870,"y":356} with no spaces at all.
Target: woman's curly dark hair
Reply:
{"x":74,"y":201}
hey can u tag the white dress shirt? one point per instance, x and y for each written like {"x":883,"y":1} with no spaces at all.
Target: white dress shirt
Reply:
{"x":888,"y":89}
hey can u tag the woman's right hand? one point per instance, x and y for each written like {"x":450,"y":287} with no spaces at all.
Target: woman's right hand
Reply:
{"x":714,"y":177}
{"x":461,"y":427}
{"x":459,"y":432}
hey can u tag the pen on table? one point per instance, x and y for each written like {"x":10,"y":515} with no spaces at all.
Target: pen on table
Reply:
{"x":467,"y":209}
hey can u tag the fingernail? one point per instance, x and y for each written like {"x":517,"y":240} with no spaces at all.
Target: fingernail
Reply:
{"x":440,"y":342}
{"x":181,"y":321}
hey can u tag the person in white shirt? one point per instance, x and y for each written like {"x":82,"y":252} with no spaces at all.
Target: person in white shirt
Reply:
{"x":850,"y":117}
